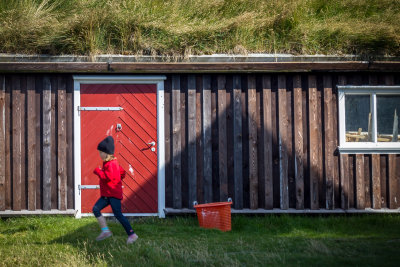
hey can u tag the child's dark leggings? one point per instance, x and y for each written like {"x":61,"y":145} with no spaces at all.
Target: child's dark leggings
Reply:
{"x":116,"y":208}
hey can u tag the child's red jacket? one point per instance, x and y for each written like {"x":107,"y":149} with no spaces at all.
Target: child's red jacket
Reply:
{"x":110,"y":179}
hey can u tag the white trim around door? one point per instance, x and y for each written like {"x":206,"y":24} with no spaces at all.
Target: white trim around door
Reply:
{"x":121,"y":79}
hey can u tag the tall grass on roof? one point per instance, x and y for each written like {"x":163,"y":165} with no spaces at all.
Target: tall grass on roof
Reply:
{"x":182,"y":27}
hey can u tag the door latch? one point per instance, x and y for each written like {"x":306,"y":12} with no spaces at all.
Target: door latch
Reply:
{"x":152,"y":146}
{"x":119,"y":127}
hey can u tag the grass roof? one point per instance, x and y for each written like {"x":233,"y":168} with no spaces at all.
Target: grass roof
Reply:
{"x":193,"y":27}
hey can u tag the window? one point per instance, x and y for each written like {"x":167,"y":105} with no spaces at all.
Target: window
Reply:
{"x":369,"y":119}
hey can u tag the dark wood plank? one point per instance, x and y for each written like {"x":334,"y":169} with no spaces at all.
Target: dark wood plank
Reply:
{"x":283,"y":142}
{"x":16,"y":143}
{"x":313,"y":137}
{"x":2,"y":143}
{"x":344,"y":181}
{"x":267,"y":137}
{"x":47,"y":162}
{"x":199,"y":143}
{"x":192,"y":139}
{"x":214,"y":140}
{"x":176,"y":142}
{"x":184,"y":157}
{"x":398,"y":179}
{"x":321,"y":156}
{"x":62,"y":144}
{"x":306,"y":130}
{"x":360,"y":186}
{"x":275,"y":143}
{"x":229,"y":134}
{"x":24,"y":161}
{"x":70,"y":143}
{"x":253,"y":142}
{"x":290,"y":145}
{"x":245,"y":147}
{"x":53,"y":137}
{"x":392,"y":182}
{"x":31,"y":131}
{"x":168,"y":136}
{"x":39,"y":140}
{"x":260,"y":148}
{"x":367,"y":180}
{"x":376,"y":182}
{"x":352,"y":168}
{"x":207,"y":146}
{"x":222,"y":139}
{"x":237,"y":142}
{"x":384,"y":180}
{"x":8,"y":144}
{"x":329,"y":141}
{"x":298,"y":141}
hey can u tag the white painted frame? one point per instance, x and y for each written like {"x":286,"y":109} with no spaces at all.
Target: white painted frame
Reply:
{"x":158,"y":80}
{"x":365,"y":147}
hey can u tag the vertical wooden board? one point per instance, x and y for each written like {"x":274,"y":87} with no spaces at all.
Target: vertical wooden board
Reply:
{"x":245,"y":147}
{"x":336,"y":167}
{"x":275,"y":143}
{"x":167,"y":130}
{"x":53,"y":137}
{"x":192,"y":140}
{"x":290,"y":145}
{"x":392,"y":182}
{"x":207,"y":149}
{"x":184,"y":167}
{"x":222,"y":138}
{"x":344,"y":181}
{"x":367,"y":180}
{"x":253,"y":142}
{"x":260,"y":149}
{"x":214,"y":140}
{"x":360,"y":186}
{"x":8,"y":144}
{"x":305,"y":117}
{"x":329,"y":141}
{"x":176,"y":142}
{"x":283,"y":142}
{"x":352,"y":168}
{"x":320,"y":142}
{"x":267,"y":138}
{"x":62,"y":146}
{"x":376,"y":182}
{"x":16,"y":143}
{"x":24,"y":161}
{"x":47,"y":162}
{"x":384,"y":180}
{"x":398,"y":179}
{"x":31,"y":145}
{"x":2,"y":143}
{"x":237,"y":142}
{"x":313,"y":137}
{"x":229,"y":134}
{"x":39,"y":140}
{"x":199,"y":141}
{"x":298,"y":141}
{"x":70,"y":142}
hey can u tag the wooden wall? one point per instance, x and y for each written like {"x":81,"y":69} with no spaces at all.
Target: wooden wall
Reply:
{"x":270,"y":141}
{"x":36,"y":142}
{"x":265,"y":140}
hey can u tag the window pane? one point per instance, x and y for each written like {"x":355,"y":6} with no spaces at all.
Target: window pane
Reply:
{"x":388,"y":108}
{"x":358,"y":119}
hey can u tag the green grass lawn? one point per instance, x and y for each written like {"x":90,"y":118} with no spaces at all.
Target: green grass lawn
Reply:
{"x":183,"y":27}
{"x":371,"y":240}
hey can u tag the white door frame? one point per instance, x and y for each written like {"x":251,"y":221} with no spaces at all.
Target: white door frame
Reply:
{"x":121,"y":79}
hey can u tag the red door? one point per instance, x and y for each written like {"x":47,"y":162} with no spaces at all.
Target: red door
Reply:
{"x":134,"y":129}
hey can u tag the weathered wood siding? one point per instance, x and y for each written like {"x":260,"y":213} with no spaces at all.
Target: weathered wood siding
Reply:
{"x":265,"y":140}
{"x":36,"y":142}
{"x":270,"y":141}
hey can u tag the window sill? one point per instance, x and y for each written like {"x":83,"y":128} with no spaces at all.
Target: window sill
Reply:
{"x":370,"y":148}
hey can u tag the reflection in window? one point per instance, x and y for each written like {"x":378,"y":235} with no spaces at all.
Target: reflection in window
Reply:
{"x":388,"y":108}
{"x":358,"y":118}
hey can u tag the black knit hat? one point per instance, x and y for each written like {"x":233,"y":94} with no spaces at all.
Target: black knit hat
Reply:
{"x":107,"y":145}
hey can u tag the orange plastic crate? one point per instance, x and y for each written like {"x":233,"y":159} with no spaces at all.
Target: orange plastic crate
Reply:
{"x":215,"y":215}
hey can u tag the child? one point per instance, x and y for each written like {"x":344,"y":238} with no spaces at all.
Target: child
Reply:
{"x":110,"y":190}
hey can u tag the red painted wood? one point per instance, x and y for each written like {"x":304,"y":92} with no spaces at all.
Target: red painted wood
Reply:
{"x":139,"y":127}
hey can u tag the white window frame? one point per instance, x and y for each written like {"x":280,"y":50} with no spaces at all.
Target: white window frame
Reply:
{"x":365,"y":147}
{"x":158,"y":80}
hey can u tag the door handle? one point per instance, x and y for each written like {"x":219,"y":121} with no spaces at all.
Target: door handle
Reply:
{"x":152,"y":143}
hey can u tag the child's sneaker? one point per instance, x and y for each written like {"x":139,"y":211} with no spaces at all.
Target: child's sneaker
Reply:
{"x":131,"y":239}
{"x":104,"y":235}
